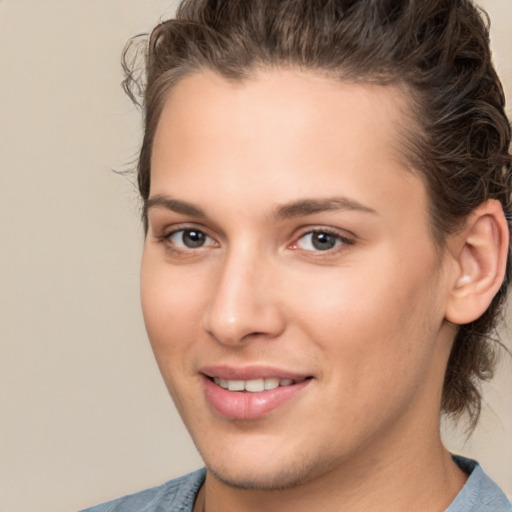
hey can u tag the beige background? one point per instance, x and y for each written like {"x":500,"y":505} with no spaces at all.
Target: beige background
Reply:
{"x":84,"y":416}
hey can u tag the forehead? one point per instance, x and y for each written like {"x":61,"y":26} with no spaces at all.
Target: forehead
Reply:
{"x":290,"y":105}
{"x":282,"y":135}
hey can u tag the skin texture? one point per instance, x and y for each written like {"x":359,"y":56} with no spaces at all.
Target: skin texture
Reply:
{"x":365,"y":320}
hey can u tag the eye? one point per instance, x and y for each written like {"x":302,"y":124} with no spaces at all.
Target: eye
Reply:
{"x":189,"y":239}
{"x":320,"y":241}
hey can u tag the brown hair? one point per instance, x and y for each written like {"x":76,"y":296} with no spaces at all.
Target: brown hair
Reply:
{"x":437,"y":51}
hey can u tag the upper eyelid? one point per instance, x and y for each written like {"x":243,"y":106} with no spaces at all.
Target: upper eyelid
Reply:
{"x":216,"y":228}
{"x":189,"y":228}
{"x":185,"y":226}
{"x":341,"y":233}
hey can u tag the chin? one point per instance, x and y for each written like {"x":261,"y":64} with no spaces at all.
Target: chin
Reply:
{"x":271,"y":469}
{"x":256,"y":479}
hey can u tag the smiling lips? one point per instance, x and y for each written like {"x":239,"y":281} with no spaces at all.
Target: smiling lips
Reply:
{"x":235,"y":397}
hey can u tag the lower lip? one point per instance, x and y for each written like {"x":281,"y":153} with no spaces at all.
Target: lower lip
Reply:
{"x":245,"y":405}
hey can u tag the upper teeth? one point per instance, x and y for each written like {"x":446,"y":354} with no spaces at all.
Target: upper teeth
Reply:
{"x":253,"y":385}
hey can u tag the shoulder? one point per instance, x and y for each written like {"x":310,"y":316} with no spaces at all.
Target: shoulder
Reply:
{"x":178,"y":494}
{"x":480,"y":494}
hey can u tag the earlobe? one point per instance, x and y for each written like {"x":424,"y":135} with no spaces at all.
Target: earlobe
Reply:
{"x":480,"y":253}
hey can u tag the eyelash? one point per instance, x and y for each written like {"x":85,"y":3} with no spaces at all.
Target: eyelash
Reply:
{"x":340,"y":240}
{"x":171,"y":246}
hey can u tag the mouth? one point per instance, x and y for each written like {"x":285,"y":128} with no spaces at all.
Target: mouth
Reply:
{"x":250,"y":394}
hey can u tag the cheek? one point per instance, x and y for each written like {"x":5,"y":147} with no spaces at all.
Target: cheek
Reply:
{"x":379,"y":322}
{"x":377,"y":346}
{"x":171,"y":314}
{"x":171,"y":307}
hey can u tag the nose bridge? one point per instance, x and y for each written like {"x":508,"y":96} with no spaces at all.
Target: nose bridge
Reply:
{"x":242,"y":303}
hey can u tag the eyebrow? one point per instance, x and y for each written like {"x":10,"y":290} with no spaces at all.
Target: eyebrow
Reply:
{"x":302,"y":207}
{"x":175,"y":205}
{"x":311,"y":206}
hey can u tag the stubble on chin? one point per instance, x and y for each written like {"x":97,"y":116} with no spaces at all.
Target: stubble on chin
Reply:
{"x":287,"y":478}
{"x":291,"y":474}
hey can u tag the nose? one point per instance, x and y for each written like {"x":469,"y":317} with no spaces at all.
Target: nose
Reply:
{"x":244,"y":302}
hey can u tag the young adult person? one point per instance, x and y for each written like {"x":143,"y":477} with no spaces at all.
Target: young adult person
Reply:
{"x":326,"y":187}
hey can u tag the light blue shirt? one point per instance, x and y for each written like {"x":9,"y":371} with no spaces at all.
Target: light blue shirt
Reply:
{"x":480,"y":494}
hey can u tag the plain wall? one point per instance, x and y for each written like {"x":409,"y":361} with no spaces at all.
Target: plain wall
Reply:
{"x":84,"y":416}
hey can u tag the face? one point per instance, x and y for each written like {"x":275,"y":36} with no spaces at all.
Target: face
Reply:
{"x":291,"y":289}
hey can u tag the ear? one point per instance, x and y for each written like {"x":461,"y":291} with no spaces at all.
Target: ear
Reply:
{"x":480,"y":252}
